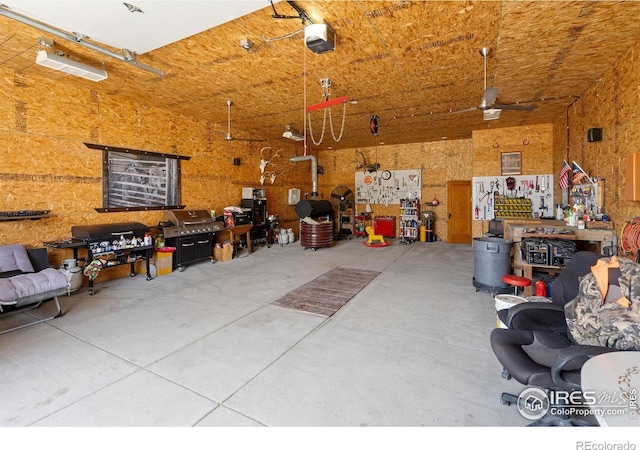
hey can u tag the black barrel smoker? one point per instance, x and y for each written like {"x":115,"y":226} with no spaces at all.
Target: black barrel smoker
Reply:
{"x":314,"y":233}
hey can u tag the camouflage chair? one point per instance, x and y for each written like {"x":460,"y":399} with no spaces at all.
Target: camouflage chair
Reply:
{"x":606,"y":311}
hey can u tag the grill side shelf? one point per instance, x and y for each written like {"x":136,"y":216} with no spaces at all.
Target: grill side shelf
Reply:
{"x":118,"y":257}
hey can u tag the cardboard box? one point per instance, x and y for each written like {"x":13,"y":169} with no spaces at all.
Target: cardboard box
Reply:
{"x":163,"y":262}
{"x":224,"y":253}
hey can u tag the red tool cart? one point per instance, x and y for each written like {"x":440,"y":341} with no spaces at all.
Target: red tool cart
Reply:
{"x":361,"y":222}
{"x":385,"y":225}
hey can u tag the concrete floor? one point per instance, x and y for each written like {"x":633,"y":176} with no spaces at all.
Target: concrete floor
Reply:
{"x":196,"y":357}
{"x":205,"y":347}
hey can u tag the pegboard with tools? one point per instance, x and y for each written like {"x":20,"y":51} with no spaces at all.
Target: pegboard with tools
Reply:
{"x":385,"y":187}
{"x":516,"y":196}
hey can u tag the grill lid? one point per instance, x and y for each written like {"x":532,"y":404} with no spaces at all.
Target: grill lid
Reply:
{"x":182,"y":217}
{"x":108,"y":230}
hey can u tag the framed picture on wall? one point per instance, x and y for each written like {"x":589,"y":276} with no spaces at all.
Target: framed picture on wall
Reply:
{"x":511,"y":163}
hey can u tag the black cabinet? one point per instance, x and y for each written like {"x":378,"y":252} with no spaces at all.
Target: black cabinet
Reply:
{"x":189,"y":249}
{"x":257,"y":209}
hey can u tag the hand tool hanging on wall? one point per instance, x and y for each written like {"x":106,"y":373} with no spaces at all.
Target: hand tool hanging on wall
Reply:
{"x":511,"y":184}
{"x":549,"y":186}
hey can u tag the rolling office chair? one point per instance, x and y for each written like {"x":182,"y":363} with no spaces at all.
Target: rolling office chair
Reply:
{"x":543,"y":359}
{"x":537,"y":348}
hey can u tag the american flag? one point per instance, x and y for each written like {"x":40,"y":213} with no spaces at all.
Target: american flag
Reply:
{"x":563,"y":179}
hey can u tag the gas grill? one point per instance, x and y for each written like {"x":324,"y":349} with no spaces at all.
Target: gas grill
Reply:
{"x":191,"y":233}
{"x":112,"y":244}
{"x":183,"y":222}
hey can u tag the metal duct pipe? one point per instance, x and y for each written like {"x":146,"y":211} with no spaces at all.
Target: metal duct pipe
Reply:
{"x":128,"y":57}
{"x":314,"y":171}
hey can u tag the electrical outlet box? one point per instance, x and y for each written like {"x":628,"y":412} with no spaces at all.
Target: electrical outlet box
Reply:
{"x":294,"y":196}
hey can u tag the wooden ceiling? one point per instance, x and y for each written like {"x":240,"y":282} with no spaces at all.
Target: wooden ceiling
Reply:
{"x":410,"y":63}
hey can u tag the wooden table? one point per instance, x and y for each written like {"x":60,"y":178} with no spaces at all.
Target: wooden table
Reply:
{"x":235,"y":233}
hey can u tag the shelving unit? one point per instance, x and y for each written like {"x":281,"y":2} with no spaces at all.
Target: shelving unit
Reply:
{"x":23,"y":215}
{"x":345,"y":224}
{"x":121,"y":256}
{"x":409,"y":220}
{"x":342,"y":202}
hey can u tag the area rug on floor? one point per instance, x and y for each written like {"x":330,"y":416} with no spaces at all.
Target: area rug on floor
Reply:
{"x":329,"y":292}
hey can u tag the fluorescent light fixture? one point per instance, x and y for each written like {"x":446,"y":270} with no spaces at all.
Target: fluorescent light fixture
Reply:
{"x":66,"y":65}
{"x":292,"y":134}
{"x":76,"y":38}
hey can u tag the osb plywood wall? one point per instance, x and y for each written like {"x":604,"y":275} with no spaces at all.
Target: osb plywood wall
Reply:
{"x":535,"y":143}
{"x":438,"y":161}
{"x":46,"y":166}
{"x":611,"y":104}
{"x":445,"y":161}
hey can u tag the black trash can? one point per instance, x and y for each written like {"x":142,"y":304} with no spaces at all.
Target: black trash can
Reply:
{"x":492,"y":258}
{"x":429,"y":219}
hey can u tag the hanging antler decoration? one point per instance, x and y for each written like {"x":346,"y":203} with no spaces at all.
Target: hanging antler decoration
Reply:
{"x":271,"y":175}
{"x":364,"y":164}
{"x":265,"y":162}
{"x":274,"y":175}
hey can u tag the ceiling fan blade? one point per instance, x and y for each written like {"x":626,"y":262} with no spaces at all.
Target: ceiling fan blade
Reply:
{"x":489,"y":98}
{"x":516,"y":107}
{"x":460,"y":111}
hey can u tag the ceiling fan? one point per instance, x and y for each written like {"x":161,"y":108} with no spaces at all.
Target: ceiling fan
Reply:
{"x":488,"y":103}
{"x":228,"y":136}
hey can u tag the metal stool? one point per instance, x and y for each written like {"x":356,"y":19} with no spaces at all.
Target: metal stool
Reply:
{"x":516,"y":281}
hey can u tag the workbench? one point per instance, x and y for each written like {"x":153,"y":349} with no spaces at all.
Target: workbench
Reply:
{"x":598,"y":240}
{"x":527,"y":272}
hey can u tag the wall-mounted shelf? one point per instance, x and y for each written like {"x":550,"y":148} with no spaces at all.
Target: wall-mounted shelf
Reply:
{"x":23,"y":215}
